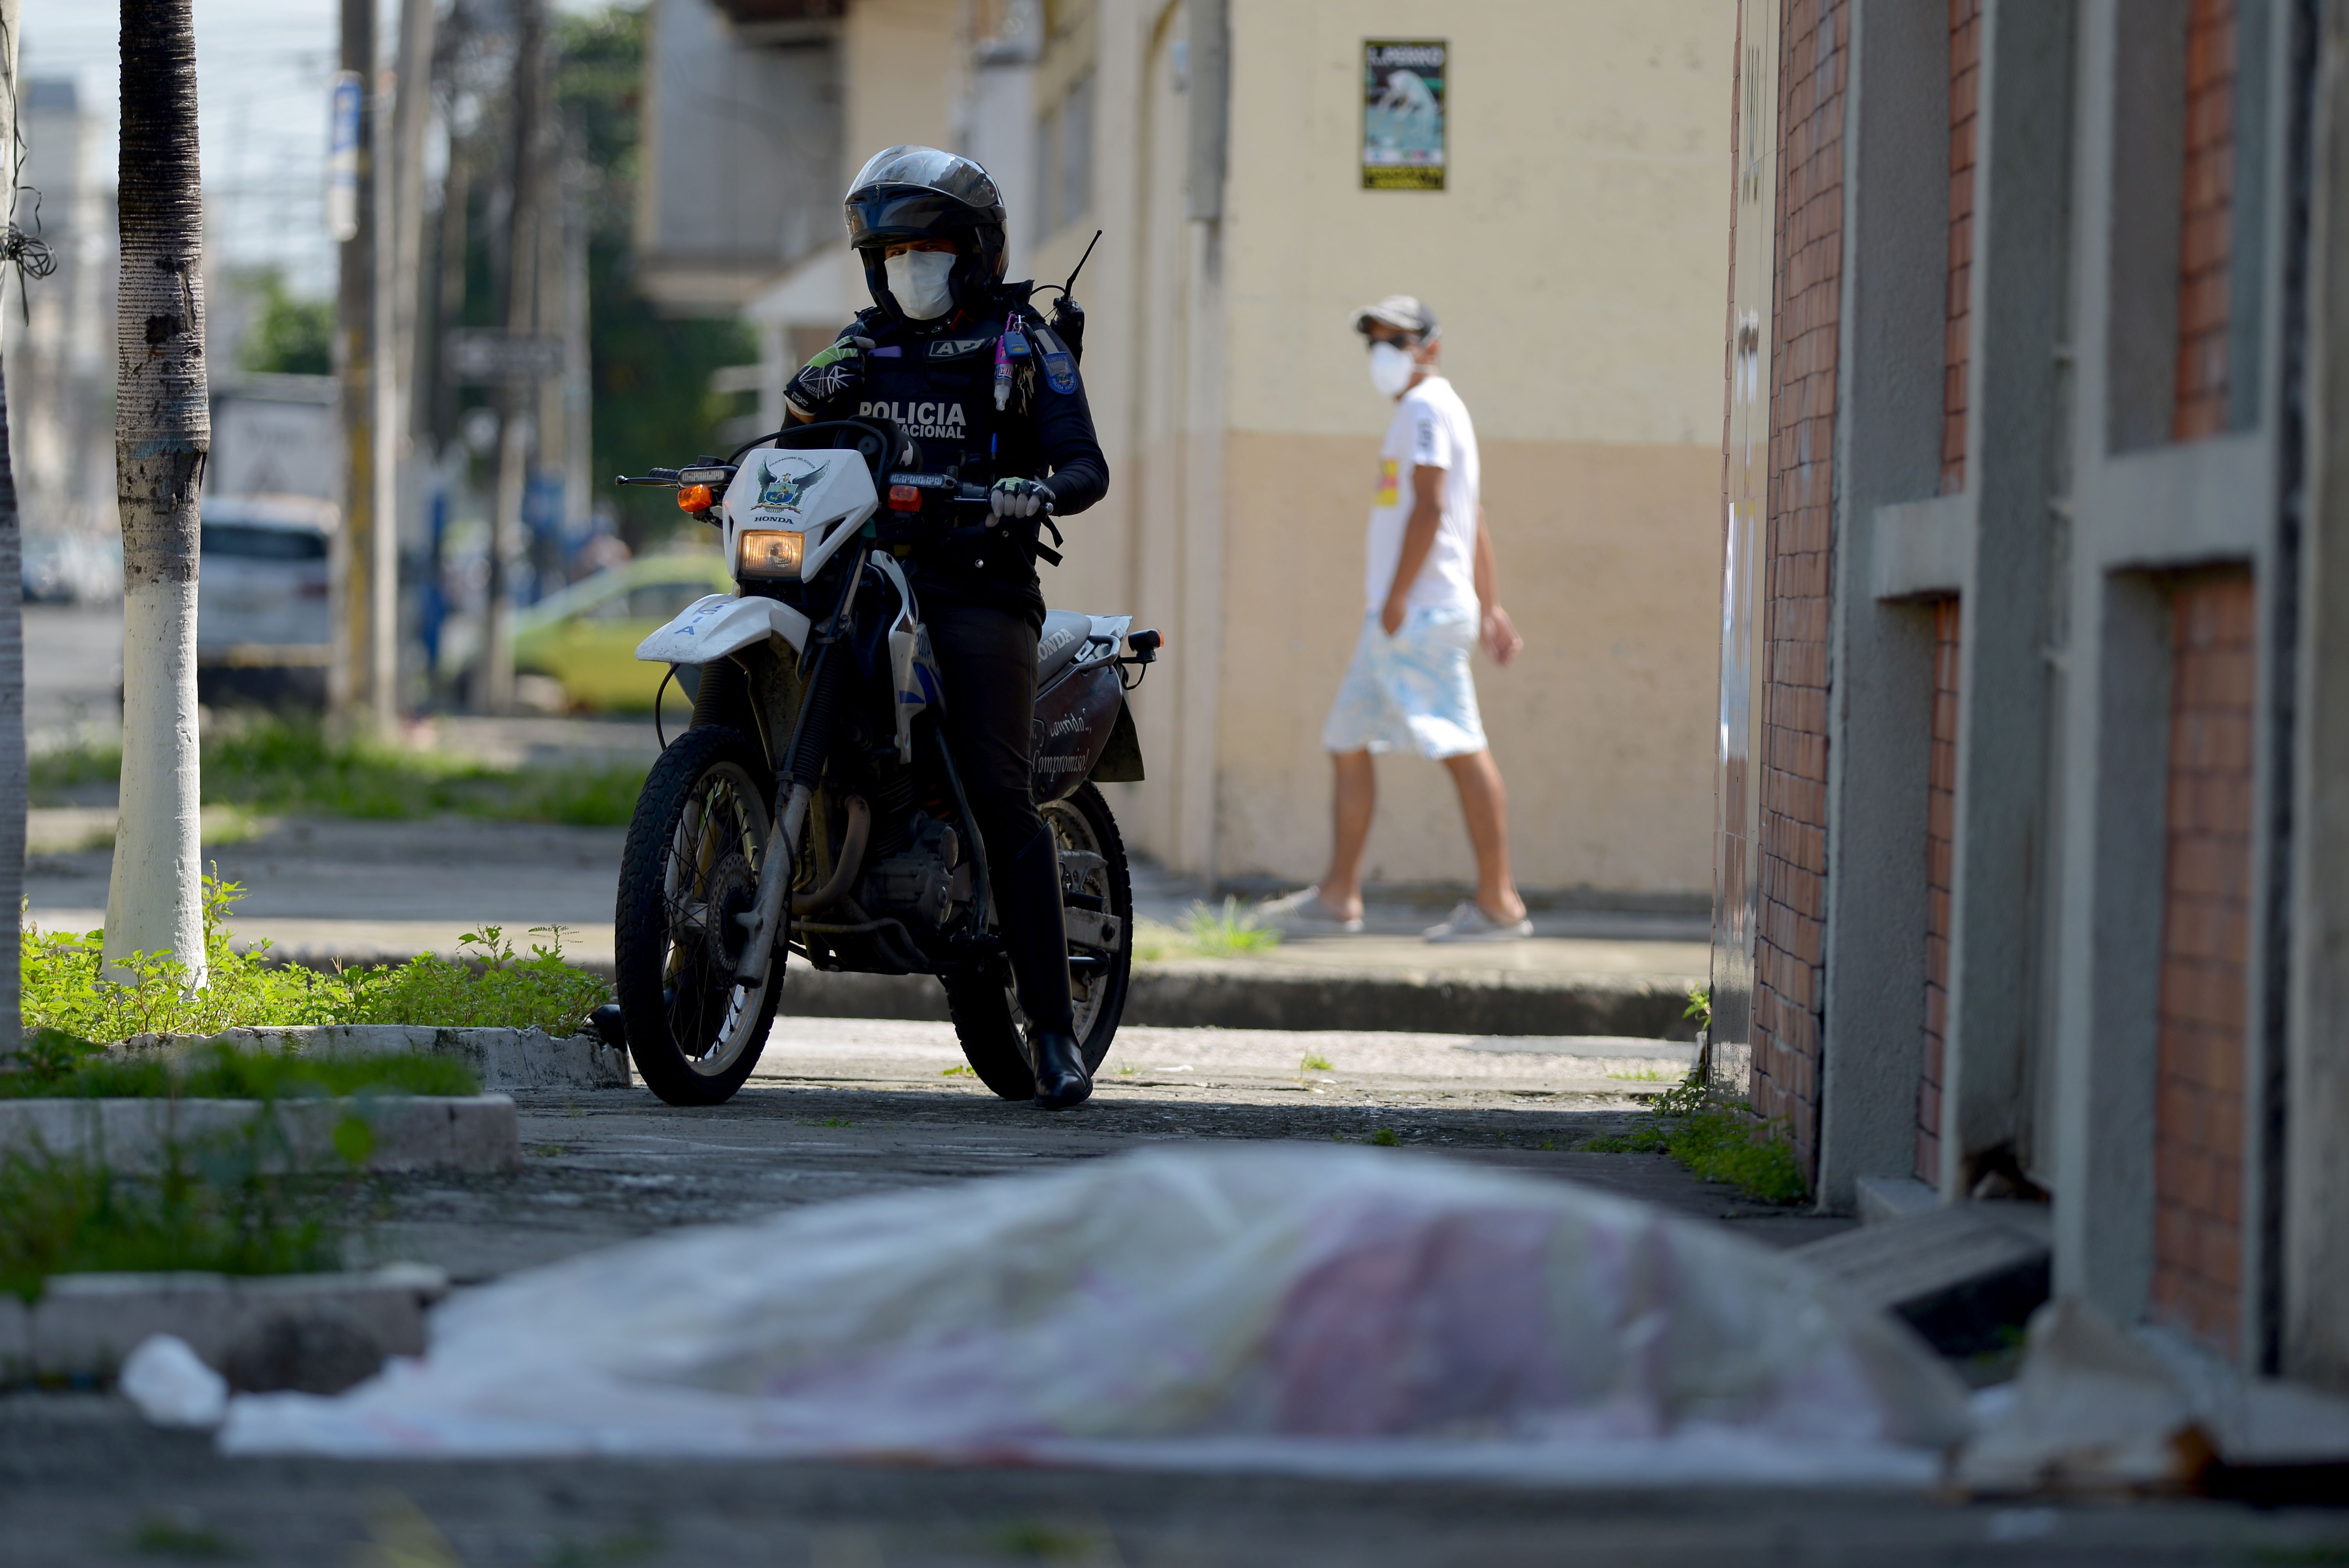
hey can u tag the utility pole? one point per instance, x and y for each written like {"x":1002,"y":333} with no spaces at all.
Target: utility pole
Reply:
{"x":12,"y":618}
{"x":578,"y":388}
{"x":493,"y":690}
{"x":350,"y":688}
{"x":403,"y":104}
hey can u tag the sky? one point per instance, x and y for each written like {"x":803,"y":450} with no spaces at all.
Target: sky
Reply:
{"x":263,"y":71}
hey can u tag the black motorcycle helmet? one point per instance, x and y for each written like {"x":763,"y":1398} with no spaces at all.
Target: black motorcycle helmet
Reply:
{"x":907,"y":193}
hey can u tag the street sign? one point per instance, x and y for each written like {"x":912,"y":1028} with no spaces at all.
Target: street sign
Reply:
{"x":484,"y":354}
{"x":343,"y":108}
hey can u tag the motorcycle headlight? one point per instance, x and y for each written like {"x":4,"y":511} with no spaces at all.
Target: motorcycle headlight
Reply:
{"x":770,"y":554}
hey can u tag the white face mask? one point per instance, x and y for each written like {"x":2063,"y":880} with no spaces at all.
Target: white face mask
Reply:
{"x":1392,"y":369}
{"x":917,"y":280}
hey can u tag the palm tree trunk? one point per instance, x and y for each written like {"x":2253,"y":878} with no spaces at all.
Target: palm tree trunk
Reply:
{"x":162,"y":433}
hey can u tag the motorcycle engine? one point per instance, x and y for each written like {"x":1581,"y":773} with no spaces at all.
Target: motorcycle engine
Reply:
{"x":925,"y":881}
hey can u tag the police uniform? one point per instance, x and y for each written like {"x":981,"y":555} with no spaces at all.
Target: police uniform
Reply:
{"x":980,"y":600}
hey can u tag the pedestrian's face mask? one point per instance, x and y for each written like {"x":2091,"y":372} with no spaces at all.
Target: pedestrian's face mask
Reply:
{"x":917,"y":281}
{"x":1391,"y":368}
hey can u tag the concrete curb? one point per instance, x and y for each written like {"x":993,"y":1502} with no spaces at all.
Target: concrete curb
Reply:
{"x":409,"y":1132}
{"x":500,"y":1059}
{"x":1251,"y":994}
{"x":84,"y":1324}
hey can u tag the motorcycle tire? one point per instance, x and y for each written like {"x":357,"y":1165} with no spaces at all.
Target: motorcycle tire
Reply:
{"x":691,"y":864}
{"x":986,"y":1016}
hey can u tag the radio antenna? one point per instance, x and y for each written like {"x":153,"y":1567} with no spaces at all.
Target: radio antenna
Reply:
{"x":1080,"y":263}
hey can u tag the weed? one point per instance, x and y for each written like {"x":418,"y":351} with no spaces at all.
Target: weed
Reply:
{"x":213,"y":1208}
{"x":1227,"y":930}
{"x":549,"y":1151}
{"x":622,"y":1546}
{"x":1048,"y":1542}
{"x":1207,"y":931}
{"x":1716,"y":1140}
{"x":1640,"y":1075}
{"x":829,"y":1121}
{"x":1317,"y":1063}
{"x":190,"y":1538}
{"x":220,"y":1072}
{"x":1127,"y":1071}
{"x":484,"y":987}
{"x":298,"y":766}
{"x":964,"y":1071}
{"x":1385,"y":1138}
{"x":1700,"y":1007}
{"x":68,"y":998}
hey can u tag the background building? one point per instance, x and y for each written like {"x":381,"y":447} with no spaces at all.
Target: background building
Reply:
{"x":2034,"y":633}
{"x":1573,"y":253}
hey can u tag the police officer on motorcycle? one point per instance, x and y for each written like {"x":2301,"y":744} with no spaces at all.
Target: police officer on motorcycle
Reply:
{"x":929,"y":226}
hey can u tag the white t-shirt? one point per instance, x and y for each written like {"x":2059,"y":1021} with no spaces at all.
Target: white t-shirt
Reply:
{"x":1431,"y":430}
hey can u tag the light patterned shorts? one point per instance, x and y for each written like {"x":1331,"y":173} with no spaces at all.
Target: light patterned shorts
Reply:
{"x":1411,"y":691}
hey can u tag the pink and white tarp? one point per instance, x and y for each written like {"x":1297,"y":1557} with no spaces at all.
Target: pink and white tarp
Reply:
{"x":1318,"y":1310}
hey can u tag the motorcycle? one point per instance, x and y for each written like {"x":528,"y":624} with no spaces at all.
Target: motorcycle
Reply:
{"x":812,"y":808}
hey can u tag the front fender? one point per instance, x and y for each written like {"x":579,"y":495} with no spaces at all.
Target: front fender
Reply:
{"x":720,"y":625}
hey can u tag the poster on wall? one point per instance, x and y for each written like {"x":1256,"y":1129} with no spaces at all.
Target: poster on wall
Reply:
{"x":1404,"y":110}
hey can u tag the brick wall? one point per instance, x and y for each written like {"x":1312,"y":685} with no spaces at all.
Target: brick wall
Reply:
{"x":1940,"y":835}
{"x":1965,"y":82}
{"x":2198,"y":1165}
{"x":1809,"y":266}
{"x":2206,"y":220}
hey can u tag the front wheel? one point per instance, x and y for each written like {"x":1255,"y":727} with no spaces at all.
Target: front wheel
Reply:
{"x":689,"y":874}
{"x":1097,"y":904}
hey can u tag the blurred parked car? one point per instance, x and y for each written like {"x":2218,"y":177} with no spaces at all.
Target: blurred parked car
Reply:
{"x":265,"y":628}
{"x":585,"y":635}
{"x":71,"y":568}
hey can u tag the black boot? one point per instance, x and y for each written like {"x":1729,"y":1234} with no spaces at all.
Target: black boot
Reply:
{"x":1028,"y":899}
{"x":1061,"y":1077}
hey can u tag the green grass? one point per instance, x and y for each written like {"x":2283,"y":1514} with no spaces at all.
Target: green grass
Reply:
{"x":1315,"y":1062}
{"x":66,"y":992}
{"x":274,"y":764}
{"x":1228,"y":930}
{"x":212,"y":1211}
{"x":158,"y":1537}
{"x":57,"y":1066}
{"x":1716,"y":1140}
{"x":1385,"y":1138}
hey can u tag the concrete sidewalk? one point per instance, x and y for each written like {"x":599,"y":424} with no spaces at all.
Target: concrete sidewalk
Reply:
{"x":340,"y":892}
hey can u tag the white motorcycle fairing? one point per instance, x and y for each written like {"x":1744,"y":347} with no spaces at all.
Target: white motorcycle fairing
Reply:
{"x":720,"y":625}
{"x":823,"y":493}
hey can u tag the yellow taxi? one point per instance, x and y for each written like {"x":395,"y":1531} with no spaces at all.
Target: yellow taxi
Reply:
{"x":585,"y":635}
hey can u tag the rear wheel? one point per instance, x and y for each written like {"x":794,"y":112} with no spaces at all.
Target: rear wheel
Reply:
{"x":1097,"y":904}
{"x":690,"y":872}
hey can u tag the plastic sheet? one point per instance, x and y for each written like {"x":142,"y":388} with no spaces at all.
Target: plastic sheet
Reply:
{"x":170,"y":1385}
{"x":1316,"y":1310}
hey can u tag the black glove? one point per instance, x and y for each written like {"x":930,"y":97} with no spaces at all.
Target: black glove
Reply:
{"x":1019,"y":498}
{"x":835,"y":372}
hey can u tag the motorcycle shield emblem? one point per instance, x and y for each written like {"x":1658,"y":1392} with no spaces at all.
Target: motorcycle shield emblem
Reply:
{"x":781,"y":487}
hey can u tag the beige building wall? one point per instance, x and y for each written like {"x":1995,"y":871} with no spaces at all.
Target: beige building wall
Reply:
{"x":1577,"y":262}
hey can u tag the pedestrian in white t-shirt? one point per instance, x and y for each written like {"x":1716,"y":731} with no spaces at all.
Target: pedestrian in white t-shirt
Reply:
{"x":1428,"y":587}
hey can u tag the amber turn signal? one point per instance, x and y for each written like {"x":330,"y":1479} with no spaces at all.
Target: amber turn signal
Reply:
{"x":766,"y":553}
{"x":904,"y":498}
{"x":694,"y":498}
